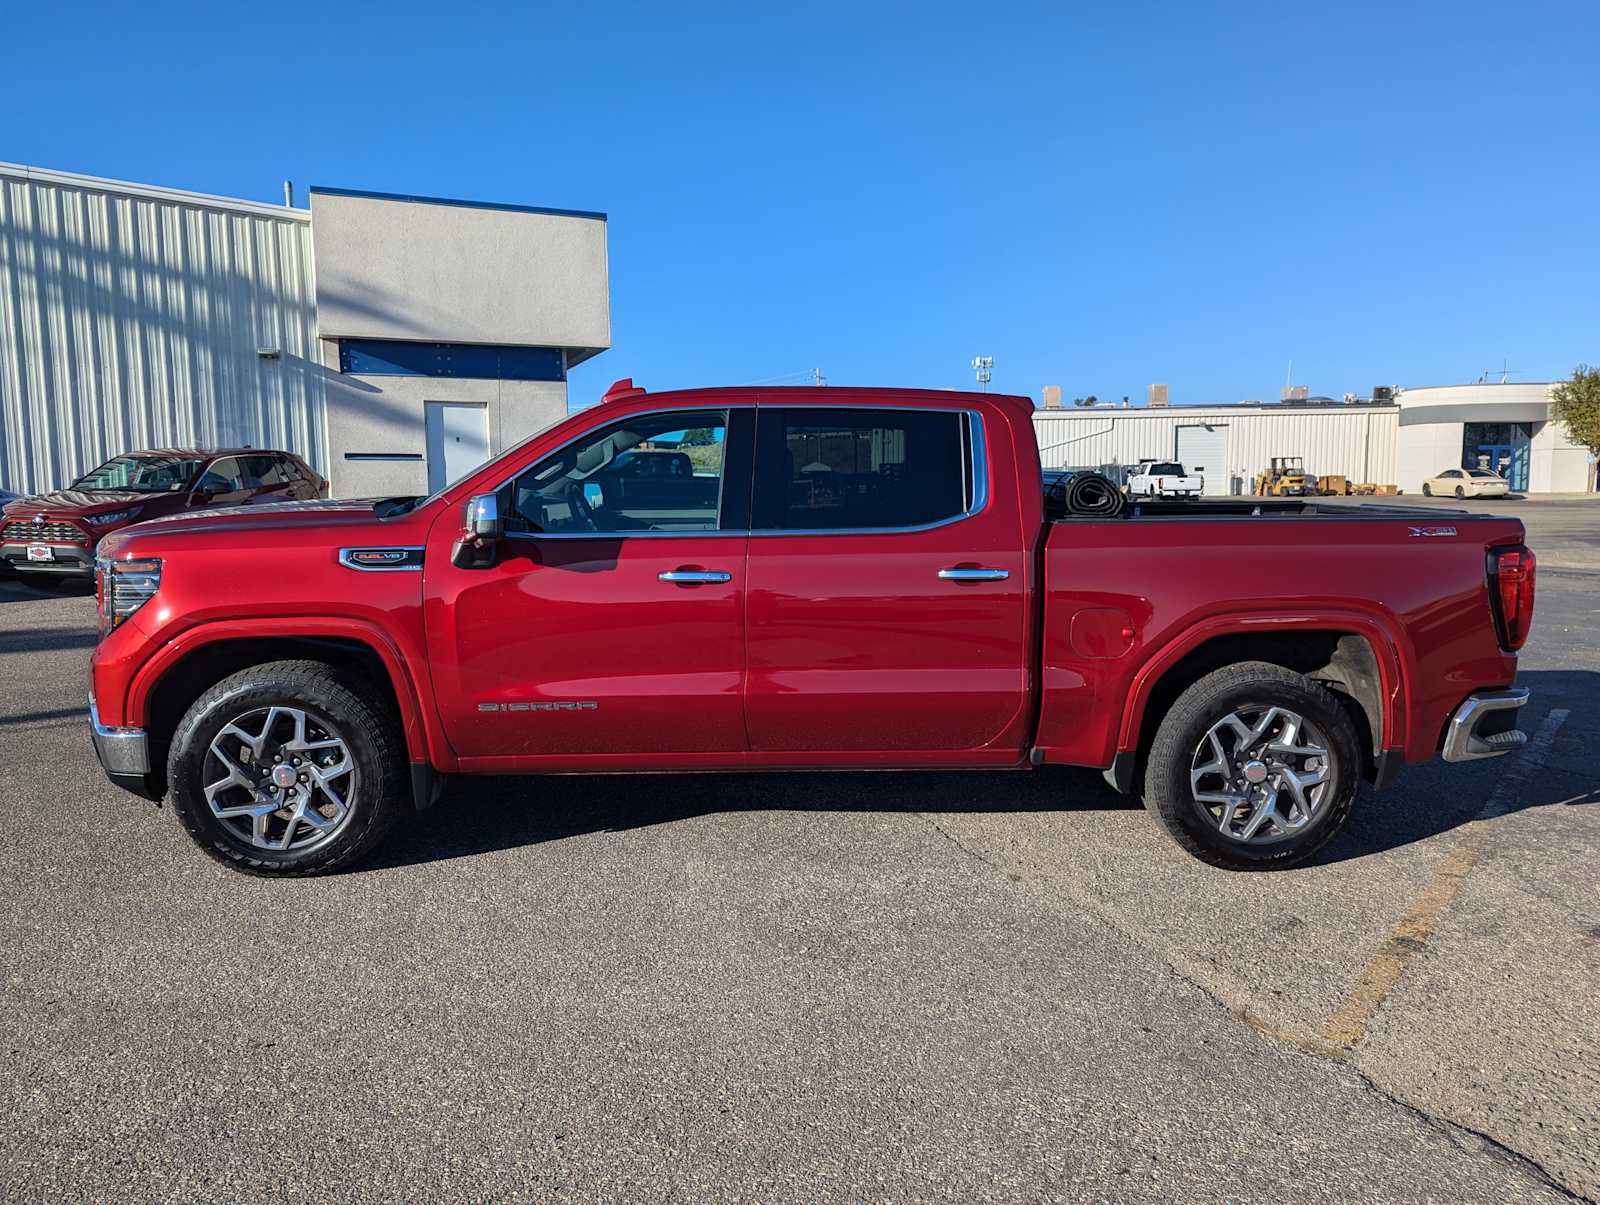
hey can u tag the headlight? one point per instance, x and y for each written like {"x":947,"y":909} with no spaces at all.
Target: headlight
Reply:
{"x":124,"y":587}
{"x":116,"y":516}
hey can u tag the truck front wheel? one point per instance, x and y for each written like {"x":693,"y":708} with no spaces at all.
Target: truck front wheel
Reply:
{"x":287,"y":768}
{"x":1255,"y":767}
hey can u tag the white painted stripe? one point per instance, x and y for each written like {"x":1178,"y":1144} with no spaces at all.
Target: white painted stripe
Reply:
{"x":1528,"y":764}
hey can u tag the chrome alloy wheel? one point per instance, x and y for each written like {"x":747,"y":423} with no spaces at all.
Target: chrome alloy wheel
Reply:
{"x":1262,"y":774}
{"x":280,"y":779}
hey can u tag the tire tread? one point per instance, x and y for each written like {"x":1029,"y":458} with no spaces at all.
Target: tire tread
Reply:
{"x":358,"y":705}
{"x":1170,"y":748}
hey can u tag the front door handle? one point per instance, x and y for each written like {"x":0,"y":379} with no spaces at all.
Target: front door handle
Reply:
{"x":974,"y":575}
{"x":694,"y":577}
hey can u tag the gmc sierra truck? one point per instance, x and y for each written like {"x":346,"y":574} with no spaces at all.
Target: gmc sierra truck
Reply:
{"x":796,"y":579}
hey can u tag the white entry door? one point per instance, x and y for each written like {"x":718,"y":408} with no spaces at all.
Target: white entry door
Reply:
{"x":1203,"y":451}
{"x":458,"y":441}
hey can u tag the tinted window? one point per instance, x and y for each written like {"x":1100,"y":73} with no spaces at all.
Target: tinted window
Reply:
{"x":825,"y":469}
{"x":1451,"y":473}
{"x":1167,"y":469}
{"x":656,"y":472}
{"x":265,"y":470}
{"x":223,"y":477}
{"x":1483,"y":473}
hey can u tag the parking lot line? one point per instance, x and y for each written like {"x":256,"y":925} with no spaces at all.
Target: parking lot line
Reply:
{"x":1347,"y":1027}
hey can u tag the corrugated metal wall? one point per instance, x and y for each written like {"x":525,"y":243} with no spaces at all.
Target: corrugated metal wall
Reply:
{"x":130,"y":318}
{"x":1358,"y":442}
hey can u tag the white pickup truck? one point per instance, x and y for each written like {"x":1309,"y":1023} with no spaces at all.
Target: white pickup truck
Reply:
{"x":1164,"y":479}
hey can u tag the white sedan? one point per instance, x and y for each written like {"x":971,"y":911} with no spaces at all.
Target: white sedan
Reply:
{"x":1467,"y":483}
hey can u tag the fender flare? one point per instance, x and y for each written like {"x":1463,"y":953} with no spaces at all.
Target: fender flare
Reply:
{"x":423,"y":736}
{"x":1387,"y":642}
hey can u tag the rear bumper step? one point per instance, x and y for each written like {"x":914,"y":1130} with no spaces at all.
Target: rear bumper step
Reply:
{"x":1482,"y":726}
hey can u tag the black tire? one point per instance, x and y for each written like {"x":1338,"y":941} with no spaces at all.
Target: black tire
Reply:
{"x":1170,"y":799}
{"x":1427,"y":490}
{"x":344,"y":706}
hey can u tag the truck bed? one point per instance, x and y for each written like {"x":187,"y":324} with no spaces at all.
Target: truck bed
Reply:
{"x":1127,"y":596}
{"x":1249,"y":507}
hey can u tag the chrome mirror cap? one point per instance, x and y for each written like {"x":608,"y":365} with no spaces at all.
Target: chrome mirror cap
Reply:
{"x":483,"y":516}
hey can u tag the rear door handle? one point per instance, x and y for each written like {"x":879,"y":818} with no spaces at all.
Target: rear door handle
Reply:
{"x":694,"y":577}
{"x":974,"y":575}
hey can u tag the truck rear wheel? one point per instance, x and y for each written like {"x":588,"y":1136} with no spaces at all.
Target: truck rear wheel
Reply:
{"x":1255,"y":767}
{"x":287,"y":768}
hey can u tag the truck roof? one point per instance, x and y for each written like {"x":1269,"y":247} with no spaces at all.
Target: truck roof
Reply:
{"x":842,"y":395}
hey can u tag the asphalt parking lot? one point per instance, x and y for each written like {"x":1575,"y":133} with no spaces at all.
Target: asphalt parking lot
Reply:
{"x":926,"y":985}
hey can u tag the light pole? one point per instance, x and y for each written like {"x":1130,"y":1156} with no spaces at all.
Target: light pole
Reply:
{"x":983,"y":368}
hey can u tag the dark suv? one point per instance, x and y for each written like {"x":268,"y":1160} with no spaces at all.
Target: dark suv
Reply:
{"x":54,"y":535}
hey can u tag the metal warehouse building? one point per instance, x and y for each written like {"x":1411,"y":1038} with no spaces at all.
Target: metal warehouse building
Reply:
{"x":392,"y":341}
{"x":1505,"y":427}
{"x":1227,"y":445}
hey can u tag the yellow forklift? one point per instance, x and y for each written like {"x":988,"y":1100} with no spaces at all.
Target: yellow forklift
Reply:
{"x":1286,"y":477}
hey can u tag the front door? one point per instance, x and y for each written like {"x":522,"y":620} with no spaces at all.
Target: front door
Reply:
{"x":612,"y":625}
{"x":458,"y":441}
{"x":887,"y":589}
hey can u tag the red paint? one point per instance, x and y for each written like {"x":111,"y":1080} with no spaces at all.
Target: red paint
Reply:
{"x":839,"y":650}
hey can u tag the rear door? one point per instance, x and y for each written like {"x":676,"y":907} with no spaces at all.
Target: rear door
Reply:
{"x":886,"y":587}
{"x":610,"y":631}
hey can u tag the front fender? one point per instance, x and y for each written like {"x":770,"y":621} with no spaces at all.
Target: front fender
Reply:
{"x":408,"y":677}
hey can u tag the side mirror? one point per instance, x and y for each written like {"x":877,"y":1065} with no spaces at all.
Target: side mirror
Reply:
{"x":478,"y":546}
{"x":483,"y":517}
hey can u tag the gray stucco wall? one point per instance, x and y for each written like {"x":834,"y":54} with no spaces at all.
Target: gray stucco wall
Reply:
{"x":392,"y":268}
{"x":388,"y":415}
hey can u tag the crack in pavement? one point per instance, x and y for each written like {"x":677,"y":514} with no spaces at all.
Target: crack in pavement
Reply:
{"x":1235,"y":998}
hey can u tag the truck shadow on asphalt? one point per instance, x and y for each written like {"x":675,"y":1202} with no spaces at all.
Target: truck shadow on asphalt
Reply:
{"x":484,"y":815}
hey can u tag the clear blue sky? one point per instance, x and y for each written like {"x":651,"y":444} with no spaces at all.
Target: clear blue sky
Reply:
{"x":1097,"y":196}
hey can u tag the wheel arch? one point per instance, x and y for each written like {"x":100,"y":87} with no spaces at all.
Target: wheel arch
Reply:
{"x":166,"y":686}
{"x":1354,"y":656}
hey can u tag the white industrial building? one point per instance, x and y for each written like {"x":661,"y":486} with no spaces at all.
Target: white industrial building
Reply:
{"x":392,"y":341}
{"x":1505,"y":427}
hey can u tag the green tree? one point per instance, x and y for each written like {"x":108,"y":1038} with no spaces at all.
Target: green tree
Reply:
{"x":1575,"y":404}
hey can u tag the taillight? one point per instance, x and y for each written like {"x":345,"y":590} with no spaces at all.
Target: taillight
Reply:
{"x":1511,"y":573}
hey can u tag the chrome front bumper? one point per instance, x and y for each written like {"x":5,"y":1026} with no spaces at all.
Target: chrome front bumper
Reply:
{"x":1464,"y":739}
{"x":122,"y":751}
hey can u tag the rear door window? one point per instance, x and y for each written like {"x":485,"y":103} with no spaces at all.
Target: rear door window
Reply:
{"x":824,"y":469}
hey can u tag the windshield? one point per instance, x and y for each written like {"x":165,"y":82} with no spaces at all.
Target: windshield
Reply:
{"x":141,"y":474}
{"x":1484,"y":473}
{"x":1165,"y":469}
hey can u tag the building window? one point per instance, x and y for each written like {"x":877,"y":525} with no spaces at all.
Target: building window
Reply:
{"x":399,"y":358}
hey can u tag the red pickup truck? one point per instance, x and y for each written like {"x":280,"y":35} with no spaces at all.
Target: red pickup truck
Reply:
{"x":794,"y":579}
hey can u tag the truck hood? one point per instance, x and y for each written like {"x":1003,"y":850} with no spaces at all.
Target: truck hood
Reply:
{"x":268,"y":516}
{"x":76,"y":504}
